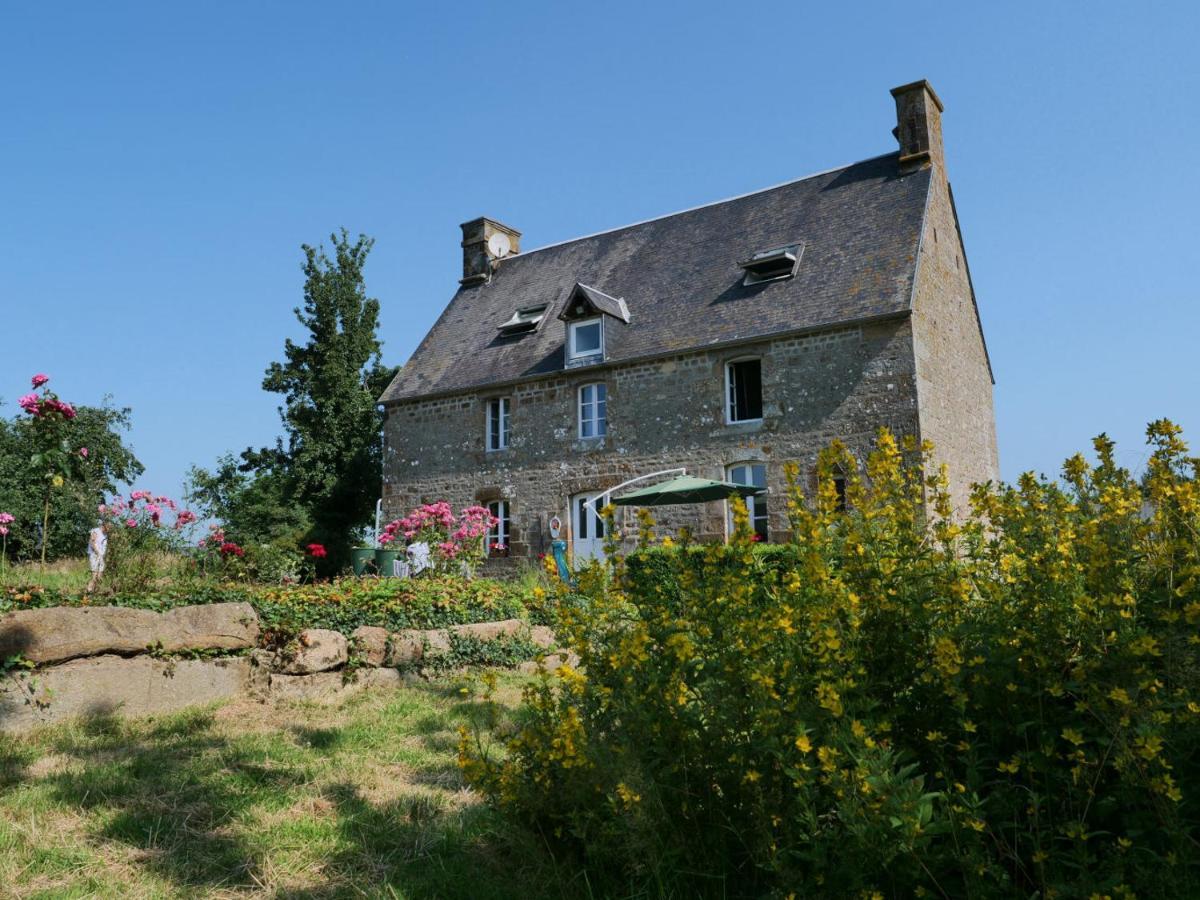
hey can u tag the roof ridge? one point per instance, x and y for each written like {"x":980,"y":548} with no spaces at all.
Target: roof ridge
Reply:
{"x":689,"y":209}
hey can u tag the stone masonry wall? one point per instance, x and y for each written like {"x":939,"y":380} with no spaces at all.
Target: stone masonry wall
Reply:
{"x":664,"y":413}
{"x":953,"y":380}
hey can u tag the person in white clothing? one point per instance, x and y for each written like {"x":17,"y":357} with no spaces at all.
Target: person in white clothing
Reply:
{"x":97,"y":548}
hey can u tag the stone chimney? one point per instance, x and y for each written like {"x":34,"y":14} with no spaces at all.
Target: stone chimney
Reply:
{"x":485,"y":242}
{"x":919,"y":126}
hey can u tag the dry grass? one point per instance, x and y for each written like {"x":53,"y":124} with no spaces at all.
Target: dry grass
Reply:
{"x":254,"y":800}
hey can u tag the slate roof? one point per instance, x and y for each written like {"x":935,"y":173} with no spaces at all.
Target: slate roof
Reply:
{"x":680,"y":279}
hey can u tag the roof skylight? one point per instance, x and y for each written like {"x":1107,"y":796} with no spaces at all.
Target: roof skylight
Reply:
{"x":525,"y":319}
{"x":770,"y":265}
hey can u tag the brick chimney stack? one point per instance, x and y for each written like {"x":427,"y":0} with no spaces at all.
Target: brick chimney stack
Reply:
{"x":919,"y":126}
{"x":485,"y":242}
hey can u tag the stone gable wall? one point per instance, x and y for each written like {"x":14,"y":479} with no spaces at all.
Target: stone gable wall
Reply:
{"x":953,"y":380}
{"x":665,"y":413}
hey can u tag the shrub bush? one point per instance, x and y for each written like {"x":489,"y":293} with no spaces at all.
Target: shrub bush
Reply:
{"x":902,"y":703}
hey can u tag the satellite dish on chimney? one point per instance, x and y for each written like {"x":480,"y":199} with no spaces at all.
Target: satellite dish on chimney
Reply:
{"x":499,"y":245}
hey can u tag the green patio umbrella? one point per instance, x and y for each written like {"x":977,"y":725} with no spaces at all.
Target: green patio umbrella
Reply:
{"x":685,"y":489}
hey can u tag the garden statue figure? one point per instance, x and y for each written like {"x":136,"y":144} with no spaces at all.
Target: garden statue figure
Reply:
{"x":96,"y":550}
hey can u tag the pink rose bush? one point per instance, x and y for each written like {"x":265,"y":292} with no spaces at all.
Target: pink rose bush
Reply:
{"x":453,"y":540}
{"x":55,"y":459}
{"x":140,"y":528}
{"x":6,"y":519}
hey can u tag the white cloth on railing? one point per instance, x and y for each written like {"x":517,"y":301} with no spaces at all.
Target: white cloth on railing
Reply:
{"x":418,"y":557}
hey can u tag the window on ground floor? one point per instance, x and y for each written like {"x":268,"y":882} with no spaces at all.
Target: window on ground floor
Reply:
{"x":755,"y":474}
{"x":497,"y":537}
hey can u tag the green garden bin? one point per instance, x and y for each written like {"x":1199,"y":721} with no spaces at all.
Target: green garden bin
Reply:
{"x":359,"y":557}
{"x":384,"y":560}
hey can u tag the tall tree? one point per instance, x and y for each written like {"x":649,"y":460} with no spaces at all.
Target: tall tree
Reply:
{"x":332,"y":456}
{"x":253,"y":505}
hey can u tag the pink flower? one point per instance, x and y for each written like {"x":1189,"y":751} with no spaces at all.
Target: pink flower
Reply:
{"x":203,"y":542}
{"x":386,"y":538}
{"x":3,"y":530}
{"x":29,"y":403}
{"x":5,"y":518}
{"x":83,"y":451}
{"x":131,"y":523}
{"x":39,"y":380}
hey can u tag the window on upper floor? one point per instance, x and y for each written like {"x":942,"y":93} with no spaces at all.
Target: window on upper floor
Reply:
{"x":497,"y":536}
{"x":498,"y":428}
{"x":585,"y":338}
{"x":743,"y":391}
{"x":593,"y":411}
{"x":754,"y":474}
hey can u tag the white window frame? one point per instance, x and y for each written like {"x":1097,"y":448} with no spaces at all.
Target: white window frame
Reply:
{"x":599,"y":423}
{"x":497,"y":406}
{"x":501,"y":532}
{"x":756,"y":506}
{"x":729,"y":419}
{"x":573,"y":327}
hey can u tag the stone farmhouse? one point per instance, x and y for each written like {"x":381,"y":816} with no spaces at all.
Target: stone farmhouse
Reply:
{"x":729,"y":339}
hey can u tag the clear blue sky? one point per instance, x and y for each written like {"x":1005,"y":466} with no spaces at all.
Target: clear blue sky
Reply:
{"x":161,"y":164}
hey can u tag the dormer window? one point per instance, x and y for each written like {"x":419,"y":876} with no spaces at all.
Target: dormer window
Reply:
{"x":523,"y":320}
{"x":585,"y":339}
{"x":585,"y":313}
{"x":772,"y":265}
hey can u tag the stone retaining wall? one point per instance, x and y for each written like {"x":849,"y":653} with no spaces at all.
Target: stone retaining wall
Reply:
{"x":91,"y":661}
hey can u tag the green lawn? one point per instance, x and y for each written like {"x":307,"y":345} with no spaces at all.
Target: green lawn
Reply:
{"x":247,"y":799}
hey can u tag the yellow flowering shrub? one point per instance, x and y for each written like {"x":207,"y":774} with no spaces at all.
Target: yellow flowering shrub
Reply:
{"x":1000,"y":703}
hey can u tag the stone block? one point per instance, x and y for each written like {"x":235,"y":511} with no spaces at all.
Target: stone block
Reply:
{"x":320,"y":650}
{"x":489,"y":631}
{"x":542,"y":636}
{"x":330,"y":687}
{"x":113,"y":685}
{"x":62,"y":632}
{"x":371,"y":644}
{"x":209,"y":626}
{"x":436,"y":640}
{"x":405,"y":648}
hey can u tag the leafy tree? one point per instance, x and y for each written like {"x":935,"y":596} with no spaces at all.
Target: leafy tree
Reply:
{"x":331,"y":460}
{"x":252,"y":505}
{"x":73,"y":505}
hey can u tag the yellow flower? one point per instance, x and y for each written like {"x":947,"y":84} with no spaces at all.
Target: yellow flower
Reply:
{"x":803,"y":744}
{"x":57,"y":481}
{"x":1119,"y":695}
{"x":751,"y":776}
{"x":934,"y":737}
{"x":829,"y":698}
{"x":1073,"y":736}
{"x":1012,"y":766}
{"x":627,"y":795}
